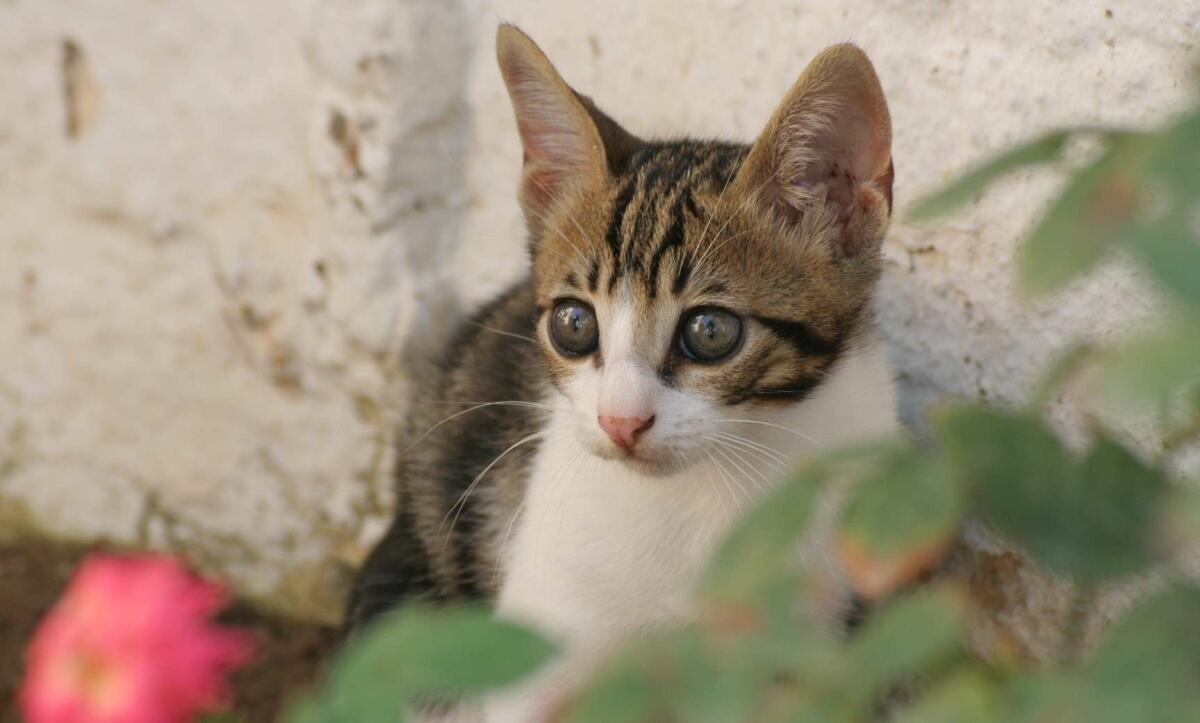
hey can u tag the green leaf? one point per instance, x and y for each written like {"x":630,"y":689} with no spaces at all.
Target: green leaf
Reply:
{"x":781,"y":639}
{"x":624,"y":694}
{"x":1120,"y":498}
{"x":312,"y":710}
{"x":1169,"y":249}
{"x":1166,"y":242}
{"x":760,"y":546}
{"x":1097,"y":204}
{"x":1042,"y":696}
{"x":1174,"y":158}
{"x":968,"y":696}
{"x":712,"y":690}
{"x":899,"y":520}
{"x":676,"y":672}
{"x":907,"y":636}
{"x":417,"y":651}
{"x":1092,"y":519}
{"x":457,"y":650}
{"x":971,"y":184}
{"x":1149,"y":372}
{"x":1148,"y":666}
{"x":1181,"y":526}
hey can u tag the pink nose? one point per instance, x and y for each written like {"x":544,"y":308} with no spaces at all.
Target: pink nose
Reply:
{"x":625,"y":430}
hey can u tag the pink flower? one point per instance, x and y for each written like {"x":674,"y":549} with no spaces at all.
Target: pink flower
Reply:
{"x":131,"y":642}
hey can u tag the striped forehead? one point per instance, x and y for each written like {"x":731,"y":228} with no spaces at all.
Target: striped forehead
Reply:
{"x":646,"y":242}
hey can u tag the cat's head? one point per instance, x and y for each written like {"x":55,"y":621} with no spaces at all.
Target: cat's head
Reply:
{"x":679,"y":283}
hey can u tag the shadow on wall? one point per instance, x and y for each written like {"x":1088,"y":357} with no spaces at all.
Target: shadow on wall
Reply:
{"x":426,"y":176}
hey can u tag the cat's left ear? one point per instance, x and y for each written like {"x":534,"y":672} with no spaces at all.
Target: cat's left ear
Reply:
{"x":568,"y":141}
{"x":826,"y":152}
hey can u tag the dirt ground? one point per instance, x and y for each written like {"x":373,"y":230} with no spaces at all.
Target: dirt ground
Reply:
{"x":32,"y":575}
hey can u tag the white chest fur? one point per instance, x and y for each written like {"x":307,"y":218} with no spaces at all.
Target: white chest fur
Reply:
{"x":600,"y":551}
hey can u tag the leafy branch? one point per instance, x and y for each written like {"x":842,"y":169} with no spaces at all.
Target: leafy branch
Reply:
{"x":1097,"y":517}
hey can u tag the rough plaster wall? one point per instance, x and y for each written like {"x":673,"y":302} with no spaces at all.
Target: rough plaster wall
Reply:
{"x":224,"y":225}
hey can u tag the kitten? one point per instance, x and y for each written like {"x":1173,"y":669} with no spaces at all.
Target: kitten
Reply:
{"x":696,"y":321}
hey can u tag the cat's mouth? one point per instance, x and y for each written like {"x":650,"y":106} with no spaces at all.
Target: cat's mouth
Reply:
{"x":647,"y":461}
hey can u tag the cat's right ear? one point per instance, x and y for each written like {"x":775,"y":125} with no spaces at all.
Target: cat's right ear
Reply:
{"x":568,"y":142}
{"x":827,"y":151}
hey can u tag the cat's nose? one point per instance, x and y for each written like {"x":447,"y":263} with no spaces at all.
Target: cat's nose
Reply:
{"x":625,"y":430}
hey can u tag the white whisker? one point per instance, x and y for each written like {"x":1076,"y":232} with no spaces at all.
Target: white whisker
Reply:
{"x":461,"y":503}
{"x":789,"y":430}
{"x":507,"y":534}
{"x":501,"y":332}
{"x":733,"y":480}
{"x":741,"y":207}
{"x":478,"y":405}
{"x":545,"y":222}
{"x":724,"y":477}
{"x":716,"y":207}
{"x":770,"y":454}
{"x":725,"y":451}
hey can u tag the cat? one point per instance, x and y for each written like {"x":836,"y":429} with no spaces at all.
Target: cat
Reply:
{"x":696,"y":321}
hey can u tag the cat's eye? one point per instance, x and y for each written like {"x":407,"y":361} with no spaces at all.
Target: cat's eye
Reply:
{"x":573,"y":328}
{"x":709,"y":335}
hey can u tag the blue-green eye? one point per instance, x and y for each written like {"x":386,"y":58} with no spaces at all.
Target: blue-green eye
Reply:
{"x":709,"y":335}
{"x":573,"y":328}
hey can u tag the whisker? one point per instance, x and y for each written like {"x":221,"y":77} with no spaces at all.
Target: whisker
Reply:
{"x":542,"y":524}
{"x":576,"y":451}
{"x":501,"y":332}
{"x":717,"y":206}
{"x":559,"y":467}
{"x":732,"y":477}
{"x":749,"y":197}
{"x":774,"y":453}
{"x":521,"y":402}
{"x":752,"y":458}
{"x":545,"y":222}
{"x":507,"y":534}
{"x":759,"y":454}
{"x":799,"y":434}
{"x":715,"y":247}
{"x":726,"y":451}
{"x":478,"y":405}
{"x":724,"y":478}
{"x":461,"y":503}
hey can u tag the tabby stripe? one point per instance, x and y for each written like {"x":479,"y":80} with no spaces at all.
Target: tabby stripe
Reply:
{"x":613,"y":235}
{"x":672,"y":238}
{"x":801,"y":336}
{"x":643,"y":215}
{"x":593,"y":277}
{"x":683,"y":274}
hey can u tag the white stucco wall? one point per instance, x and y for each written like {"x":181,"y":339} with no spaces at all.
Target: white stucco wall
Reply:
{"x":210,"y":277}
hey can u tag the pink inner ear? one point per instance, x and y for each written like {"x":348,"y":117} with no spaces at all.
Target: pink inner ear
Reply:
{"x":860,"y":145}
{"x":555,"y":147}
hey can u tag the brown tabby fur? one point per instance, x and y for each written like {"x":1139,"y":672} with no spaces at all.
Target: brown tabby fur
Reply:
{"x":786,"y":232}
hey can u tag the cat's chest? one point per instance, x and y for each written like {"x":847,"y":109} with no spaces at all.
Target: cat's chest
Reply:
{"x":599,"y":549}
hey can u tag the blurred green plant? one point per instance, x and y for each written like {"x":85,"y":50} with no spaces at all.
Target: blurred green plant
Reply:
{"x":1095,"y":517}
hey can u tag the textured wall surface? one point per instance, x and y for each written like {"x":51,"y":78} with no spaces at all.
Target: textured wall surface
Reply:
{"x":224,"y":226}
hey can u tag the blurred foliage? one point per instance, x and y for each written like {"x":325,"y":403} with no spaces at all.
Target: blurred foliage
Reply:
{"x":1096,"y":516}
